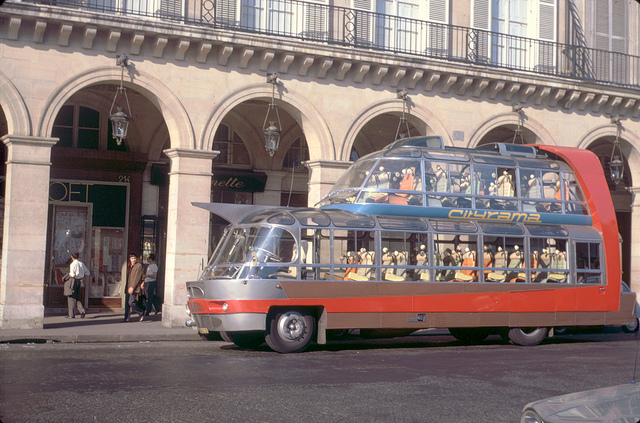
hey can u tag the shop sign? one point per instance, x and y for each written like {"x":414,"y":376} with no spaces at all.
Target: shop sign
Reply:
{"x":239,"y":181}
{"x":72,"y":192}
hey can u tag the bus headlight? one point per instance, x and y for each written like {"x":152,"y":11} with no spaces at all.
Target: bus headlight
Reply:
{"x":225,"y":306}
{"x":187,"y":309}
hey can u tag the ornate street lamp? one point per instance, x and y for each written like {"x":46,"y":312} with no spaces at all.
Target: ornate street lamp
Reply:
{"x":120,"y":120}
{"x":616,"y":166}
{"x":272,"y":132}
{"x":402,"y":95}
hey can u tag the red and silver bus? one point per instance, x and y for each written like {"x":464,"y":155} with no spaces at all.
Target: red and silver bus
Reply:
{"x":509,"y":239}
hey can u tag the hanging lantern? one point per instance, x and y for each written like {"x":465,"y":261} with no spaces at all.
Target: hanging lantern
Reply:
{"x":272,"y":138}
{"x":120,"y":120}
{"x":273,"y":131}
{"x":119,"y":125}
{"x":616,"y":166}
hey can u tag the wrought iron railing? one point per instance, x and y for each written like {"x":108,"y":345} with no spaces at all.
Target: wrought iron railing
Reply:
{"x":321,"y":23}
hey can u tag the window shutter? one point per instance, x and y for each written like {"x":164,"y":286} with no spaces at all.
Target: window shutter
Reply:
{"x":316,"y":21}
{"x":226,"y":12}
{"x":171,"y":8}
{"x":438,"y":11}
{"x":481,"y":19}
{"x":363,"y":17}
{"x":481,"y":14}
{"x":547,"y":20}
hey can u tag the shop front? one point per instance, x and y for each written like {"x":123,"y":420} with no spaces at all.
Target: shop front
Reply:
{"x":90,"y":218}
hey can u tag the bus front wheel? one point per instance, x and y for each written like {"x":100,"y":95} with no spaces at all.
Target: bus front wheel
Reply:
{"x":290,"y":331}
{"x":527,"y":336}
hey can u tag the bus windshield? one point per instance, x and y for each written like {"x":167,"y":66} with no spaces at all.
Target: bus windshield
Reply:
{"x":251,"y":246}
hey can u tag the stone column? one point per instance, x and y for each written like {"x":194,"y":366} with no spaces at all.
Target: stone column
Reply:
{"x":272,"y":190}
{"x":634,"y":277}
{"x":25,"y":231}
{"x":323,"y":174}
{"x":187,"y":227}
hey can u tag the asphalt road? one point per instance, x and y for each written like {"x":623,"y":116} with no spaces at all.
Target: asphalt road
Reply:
{"x":427,"y":378}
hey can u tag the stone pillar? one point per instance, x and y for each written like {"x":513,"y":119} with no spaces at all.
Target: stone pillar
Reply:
{"x":25,"y":231}
{"x":272,"y":190}
{"x":187,"y":227}
{"x":634,"y":277}
{"x":323,"y":174}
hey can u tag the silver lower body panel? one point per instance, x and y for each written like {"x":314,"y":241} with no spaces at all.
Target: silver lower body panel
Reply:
{"x":232,"y":322}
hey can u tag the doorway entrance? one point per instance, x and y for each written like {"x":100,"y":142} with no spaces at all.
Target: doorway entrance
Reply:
{"x":68,"y":233}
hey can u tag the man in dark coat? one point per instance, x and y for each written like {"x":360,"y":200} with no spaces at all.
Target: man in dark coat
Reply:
{"x":135,"y":274}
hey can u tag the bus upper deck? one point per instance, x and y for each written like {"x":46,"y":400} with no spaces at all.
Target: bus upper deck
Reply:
{"x":420,"y":177}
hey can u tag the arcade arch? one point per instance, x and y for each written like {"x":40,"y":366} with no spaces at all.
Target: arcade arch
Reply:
{"x":376,"y":127}
{"x":171,"y":110}
{"x":505,"y":128}
{"x":16,"y":114}
{"x":295,"y":111}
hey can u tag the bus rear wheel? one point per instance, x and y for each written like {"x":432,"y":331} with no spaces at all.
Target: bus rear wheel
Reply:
{"x":290,"y":331}
{"x":527,"y":337}
{"x":247,"y":340}
{"x":469,"y":335}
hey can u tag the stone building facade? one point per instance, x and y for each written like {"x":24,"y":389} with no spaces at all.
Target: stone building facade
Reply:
{"x":352,"y":76}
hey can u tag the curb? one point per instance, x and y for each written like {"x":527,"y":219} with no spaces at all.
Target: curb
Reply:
{"x":77,"y":339}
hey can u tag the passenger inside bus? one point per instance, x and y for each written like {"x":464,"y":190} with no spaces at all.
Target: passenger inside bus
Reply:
{"x":515,"y":261}
{"x":544,"y":262}
{"x":468,"y":260}
{"x":487,"y":259}
{"x":422,"y":261}
{"x":500,"y":261}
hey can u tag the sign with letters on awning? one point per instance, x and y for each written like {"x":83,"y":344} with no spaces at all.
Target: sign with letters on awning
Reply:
{"x":231,"y":180}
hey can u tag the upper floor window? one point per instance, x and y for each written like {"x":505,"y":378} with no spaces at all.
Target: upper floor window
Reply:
{"x":400,"y":25}
{"x":231,"y":147}
{"x":610,"y":32}
{"x":509,"y":23}
{"x":83,"y":127}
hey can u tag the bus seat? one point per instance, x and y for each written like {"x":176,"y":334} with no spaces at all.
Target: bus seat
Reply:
{"x":496,"y":277}
{"x":356,"y":277}
{"x":463,"y":277}
{"x":391,"y":277}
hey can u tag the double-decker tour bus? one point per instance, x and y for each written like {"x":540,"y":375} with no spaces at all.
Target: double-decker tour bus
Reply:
{"x":509,"y":239}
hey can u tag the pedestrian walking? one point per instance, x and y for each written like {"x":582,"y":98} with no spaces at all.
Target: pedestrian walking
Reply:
{"x":77,"y":272}
{"x":135,"y":283}
{"x":151,"y":285}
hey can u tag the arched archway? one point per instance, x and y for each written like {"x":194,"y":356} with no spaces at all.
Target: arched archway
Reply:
{"x":387,"y":113}
{"x":504,"y":128}
{"x":14,"y":108}
{"x":304,"y":114}
{"x":153,"y":90}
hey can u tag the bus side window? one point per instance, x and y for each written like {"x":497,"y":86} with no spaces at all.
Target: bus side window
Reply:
{"x":550,"y":186}
{"x":395,"y":256}
{"x":588,"y":262}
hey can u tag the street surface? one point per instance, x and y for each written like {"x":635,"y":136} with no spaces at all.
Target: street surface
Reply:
{"x":426,"y":378}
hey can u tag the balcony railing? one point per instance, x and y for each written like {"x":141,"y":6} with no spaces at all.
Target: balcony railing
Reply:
{"x":334,"y":25}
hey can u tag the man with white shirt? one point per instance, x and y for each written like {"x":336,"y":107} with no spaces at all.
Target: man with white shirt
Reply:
{"x":77,"y":272}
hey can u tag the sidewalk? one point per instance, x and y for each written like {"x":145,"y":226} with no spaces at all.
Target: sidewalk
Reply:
{"x":100,"y":327}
